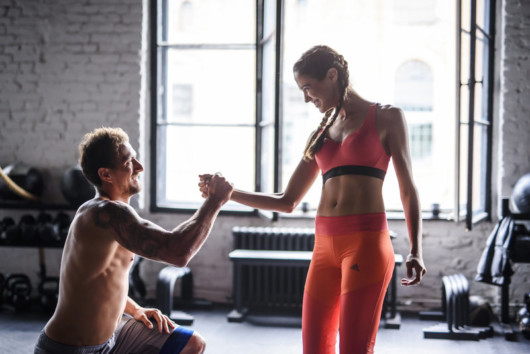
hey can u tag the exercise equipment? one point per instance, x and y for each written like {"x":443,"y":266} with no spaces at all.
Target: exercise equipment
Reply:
{"x":137,"y":289}
{"x":20,"y":181}
{"x":165,"y":286}
{"x":523,"y":317}
{"x":47,"y":229}
{"x":48,"y":286}
{"x":62,"y":220}
{"x":49,"y":293}
{"x":28,"y":229}
{"x":455,"y":306}
{"x":4,"y":225}
{"x":18,"y":288}
{"x":75,"y":187}
{"x":521,"y":195}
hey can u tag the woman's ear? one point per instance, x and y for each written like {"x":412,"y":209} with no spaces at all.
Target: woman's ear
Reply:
{"x":104,"y":174}
{"x":332,"y":74}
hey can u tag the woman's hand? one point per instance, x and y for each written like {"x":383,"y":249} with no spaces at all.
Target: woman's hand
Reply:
{"x":164,"y":323}
{"x":416,"y":268}
{"x":204,"y":184}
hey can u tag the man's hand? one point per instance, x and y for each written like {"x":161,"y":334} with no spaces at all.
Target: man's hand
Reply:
{"x":164,"y":322}
{"x":415,"y":267}
{"x":215,"y":186}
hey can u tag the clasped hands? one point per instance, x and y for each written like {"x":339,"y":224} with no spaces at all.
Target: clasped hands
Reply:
{"x":215,"y":186}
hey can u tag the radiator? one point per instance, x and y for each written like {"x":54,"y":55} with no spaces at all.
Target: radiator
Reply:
{"x":273,"y":287}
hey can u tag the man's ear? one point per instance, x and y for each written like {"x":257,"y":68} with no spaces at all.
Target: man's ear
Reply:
{"x":104,"y":174}
{"x":332,"y":74}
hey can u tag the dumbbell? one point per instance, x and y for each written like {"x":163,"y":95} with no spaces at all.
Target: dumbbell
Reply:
{"x":18,"y":287}
{"x":47,"y":229}
{"x":28,"y":229}
{"x":4,"y":224}
{"x":49,"y":293}
{"x":11,"y":231}
{"x":63,"y":221}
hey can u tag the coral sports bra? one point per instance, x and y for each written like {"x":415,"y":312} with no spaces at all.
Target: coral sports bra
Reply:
{"x":360,"y":153}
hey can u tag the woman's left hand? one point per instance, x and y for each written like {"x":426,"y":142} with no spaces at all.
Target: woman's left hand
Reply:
{"x":164,"y":322}
{"x":415,"y":270}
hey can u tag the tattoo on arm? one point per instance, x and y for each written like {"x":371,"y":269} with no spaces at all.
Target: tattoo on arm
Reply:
{"x":138,"y":238}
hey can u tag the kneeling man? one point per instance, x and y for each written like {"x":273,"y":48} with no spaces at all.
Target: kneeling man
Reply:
{"x":104,"y":236}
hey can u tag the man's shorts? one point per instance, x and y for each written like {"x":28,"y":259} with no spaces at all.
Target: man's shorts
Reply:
{"x":131,"y":336}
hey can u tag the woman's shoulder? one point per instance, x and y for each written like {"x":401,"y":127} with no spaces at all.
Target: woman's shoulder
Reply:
{"x":390,"y":115}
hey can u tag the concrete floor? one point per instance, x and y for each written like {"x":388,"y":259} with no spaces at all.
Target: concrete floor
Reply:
{"x":273,"y":335}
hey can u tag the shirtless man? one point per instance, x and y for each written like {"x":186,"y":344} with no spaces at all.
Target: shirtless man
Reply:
{"x":104,"y":236}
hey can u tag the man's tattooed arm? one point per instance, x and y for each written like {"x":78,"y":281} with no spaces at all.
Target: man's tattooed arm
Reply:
{"x":133,"y":233}
{"x":150,"y":240}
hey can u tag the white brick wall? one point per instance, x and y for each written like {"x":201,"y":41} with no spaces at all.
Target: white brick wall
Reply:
{"x":68,"y":67}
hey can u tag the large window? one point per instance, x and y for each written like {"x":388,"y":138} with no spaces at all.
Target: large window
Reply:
{"x":225,"y":97}
{"x":203,"y":96}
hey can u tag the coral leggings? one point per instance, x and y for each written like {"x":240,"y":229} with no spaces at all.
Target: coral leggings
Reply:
{"x":350,"y":270}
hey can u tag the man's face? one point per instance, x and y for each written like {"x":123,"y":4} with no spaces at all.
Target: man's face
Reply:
{"x":125,"y":174}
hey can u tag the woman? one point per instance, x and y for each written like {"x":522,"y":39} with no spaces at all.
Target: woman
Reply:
{"x":353,"y":258}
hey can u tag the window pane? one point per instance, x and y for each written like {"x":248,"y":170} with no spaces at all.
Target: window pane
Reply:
{"x":267,"y":159}
{"x":479,"y":168}
{"x":408,"y":12}
{"x":210,"y":21}
{"x":194,"y":150}
{"x":464,"y":139}
{"x":203,"y":87}
{"x":414,"y":86}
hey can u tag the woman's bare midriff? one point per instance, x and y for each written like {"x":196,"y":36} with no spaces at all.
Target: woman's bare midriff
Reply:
{"x":351,"y":194}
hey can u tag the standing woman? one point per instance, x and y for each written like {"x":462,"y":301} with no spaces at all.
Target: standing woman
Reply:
{"x":353,"y":258}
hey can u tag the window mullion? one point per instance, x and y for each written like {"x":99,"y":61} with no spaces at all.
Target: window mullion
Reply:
{"x":457,"y":107}
{"x":471,"y":113}
{"x":278,"y":101}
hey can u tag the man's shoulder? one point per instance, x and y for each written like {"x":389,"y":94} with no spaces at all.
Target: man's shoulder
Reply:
{"x":101,"y":212}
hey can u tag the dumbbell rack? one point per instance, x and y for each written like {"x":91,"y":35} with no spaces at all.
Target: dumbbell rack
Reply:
{"x":45,"y":282}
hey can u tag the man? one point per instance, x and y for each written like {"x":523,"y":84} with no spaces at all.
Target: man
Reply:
{"x":104,"y":235}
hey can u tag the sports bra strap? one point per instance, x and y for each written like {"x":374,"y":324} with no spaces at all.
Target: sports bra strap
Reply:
{"x":353,"y":170}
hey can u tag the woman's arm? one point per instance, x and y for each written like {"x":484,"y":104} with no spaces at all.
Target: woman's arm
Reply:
{"x":299,"y":183}
{"x":397,"y":142}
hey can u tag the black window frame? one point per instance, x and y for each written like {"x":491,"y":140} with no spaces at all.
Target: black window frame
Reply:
{"x":261,"y":123}
{"x":487,"y":80}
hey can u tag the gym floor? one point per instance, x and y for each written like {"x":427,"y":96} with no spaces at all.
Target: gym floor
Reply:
{"x":273,"y":335}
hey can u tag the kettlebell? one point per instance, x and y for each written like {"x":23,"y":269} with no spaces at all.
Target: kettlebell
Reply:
{"x":18,"y":288}
{"x":49,"y":293}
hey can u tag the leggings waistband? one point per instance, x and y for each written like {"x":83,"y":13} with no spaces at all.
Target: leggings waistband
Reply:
{"x":345,"y":224}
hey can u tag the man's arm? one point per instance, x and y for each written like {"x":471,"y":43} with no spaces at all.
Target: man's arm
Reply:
{"x":144,"y":314}
{"x":151,"y":241}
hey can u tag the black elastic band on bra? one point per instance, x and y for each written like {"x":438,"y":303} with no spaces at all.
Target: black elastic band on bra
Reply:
{"x":353,"y":170}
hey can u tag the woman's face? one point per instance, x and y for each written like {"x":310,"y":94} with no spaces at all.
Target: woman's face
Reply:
{"x":323,"y":94}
